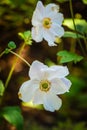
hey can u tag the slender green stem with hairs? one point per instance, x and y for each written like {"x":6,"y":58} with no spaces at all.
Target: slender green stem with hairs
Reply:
{"x":71,"y":10}
{"x":2,"y":54}
{"x":13,"y":66}
{"x":20,"y":57}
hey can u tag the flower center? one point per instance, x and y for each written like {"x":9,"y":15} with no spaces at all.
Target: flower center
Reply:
{"x":44,"y":85}
{"x":47,"y":23}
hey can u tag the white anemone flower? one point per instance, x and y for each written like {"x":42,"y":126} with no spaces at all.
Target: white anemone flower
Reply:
{"x":44,"y":86}
{"x":47,"y":23}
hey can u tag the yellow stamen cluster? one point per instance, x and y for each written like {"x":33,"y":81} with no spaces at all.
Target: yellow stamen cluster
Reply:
{"x":46,"y":23}
{"x":45,"y":85}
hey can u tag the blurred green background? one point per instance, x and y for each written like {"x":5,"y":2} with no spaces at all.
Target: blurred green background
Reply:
{"x":15,"y":17}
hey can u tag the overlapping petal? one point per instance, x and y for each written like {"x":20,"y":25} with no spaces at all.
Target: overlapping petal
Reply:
{"x":67,"y":82}
{"x":56,"y":71}
{"x":36,"y":70}
{"x":49,"y":37}
{"x":38,"y":14}
{"x":52,"y":102}
{"x":52,"y":7}
{"x":27,"y":90}
{"x":56,"y":19}
{"x":38,"y":97}
{"x":37,"y":34}
{"x":57,"y":30}
{"x":59,"y":87}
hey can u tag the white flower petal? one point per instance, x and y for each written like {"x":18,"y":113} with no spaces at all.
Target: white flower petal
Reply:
{"x":36,"y":70}
{"x":52,"y":7}
{"x":56,"y":71}
{"x":52,"y":102}
{"x":59,"y":86}
{"x":38,"y":14}
{"x":40,"y":7}
{"x":27,"y":90}
{"x":56,"y":18}
{"x":49,"y":37}
{"x":57,"y":30}
{"x":67,"y":82}
{"x":38,"y":97}
{"x":37,"y":34}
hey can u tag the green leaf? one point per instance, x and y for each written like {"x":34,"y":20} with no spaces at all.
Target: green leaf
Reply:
{"x":72,"y":34}
{"x":12,"y":45}
{"x":81,"y":25}
{"x":76,"y":81}
{"x":62,"y":1}
{"x":84,"y":1}
{"x":2,"y":88}
{"x":69,"y":56}
{"x":26,"y":36}
{"x":7,"y":51}
{"x":13,"y":116}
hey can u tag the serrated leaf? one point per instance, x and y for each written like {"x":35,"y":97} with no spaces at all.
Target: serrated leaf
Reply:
{"x":2,"y":88}
{"x":72,"y":34}
{"x":12,"y":45}
{"x":69,"y":56}
{"x":13,"y":116}
{"x":26,"y":36}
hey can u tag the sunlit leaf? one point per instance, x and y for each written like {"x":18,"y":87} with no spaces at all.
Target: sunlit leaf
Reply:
{"x":69,"y":56}
{"x":72,"y":34}
{"x":26,"y":36}
{"x":84,"y":1}
{"x":81,"y":25}
{"x":2,"y":88}
{"x":13,"y":116}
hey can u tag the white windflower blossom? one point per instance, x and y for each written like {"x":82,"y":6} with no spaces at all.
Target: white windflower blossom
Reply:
{"x":44,"y":85}
{"x":47,"y":23}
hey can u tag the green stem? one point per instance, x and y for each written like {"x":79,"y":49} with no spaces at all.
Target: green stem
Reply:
{"x":13,"y":66}
{"x":2,"y":54}
{"x":85,"y":42}
{"x":71,"y":10}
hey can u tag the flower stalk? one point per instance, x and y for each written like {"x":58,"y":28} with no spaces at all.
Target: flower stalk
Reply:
{"x":13,"y":66}
{"x":72,"y":15}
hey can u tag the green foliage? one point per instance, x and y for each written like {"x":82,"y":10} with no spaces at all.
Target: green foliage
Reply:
{"x":68,"y":56}
{"x":12,"y":45}
{"x":84,"y":1}
{"x":1,"y":88}
{"x":13,"y":116}
{"x":26,"y":36}
{"x":77,"y":85}
{"x":6,"y":51}
{"x":68,"y":125}
{"x":81,"y":25}
{"x":72,"y":35}
{"x":62,"y":1}
{"x":17,"y":2}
